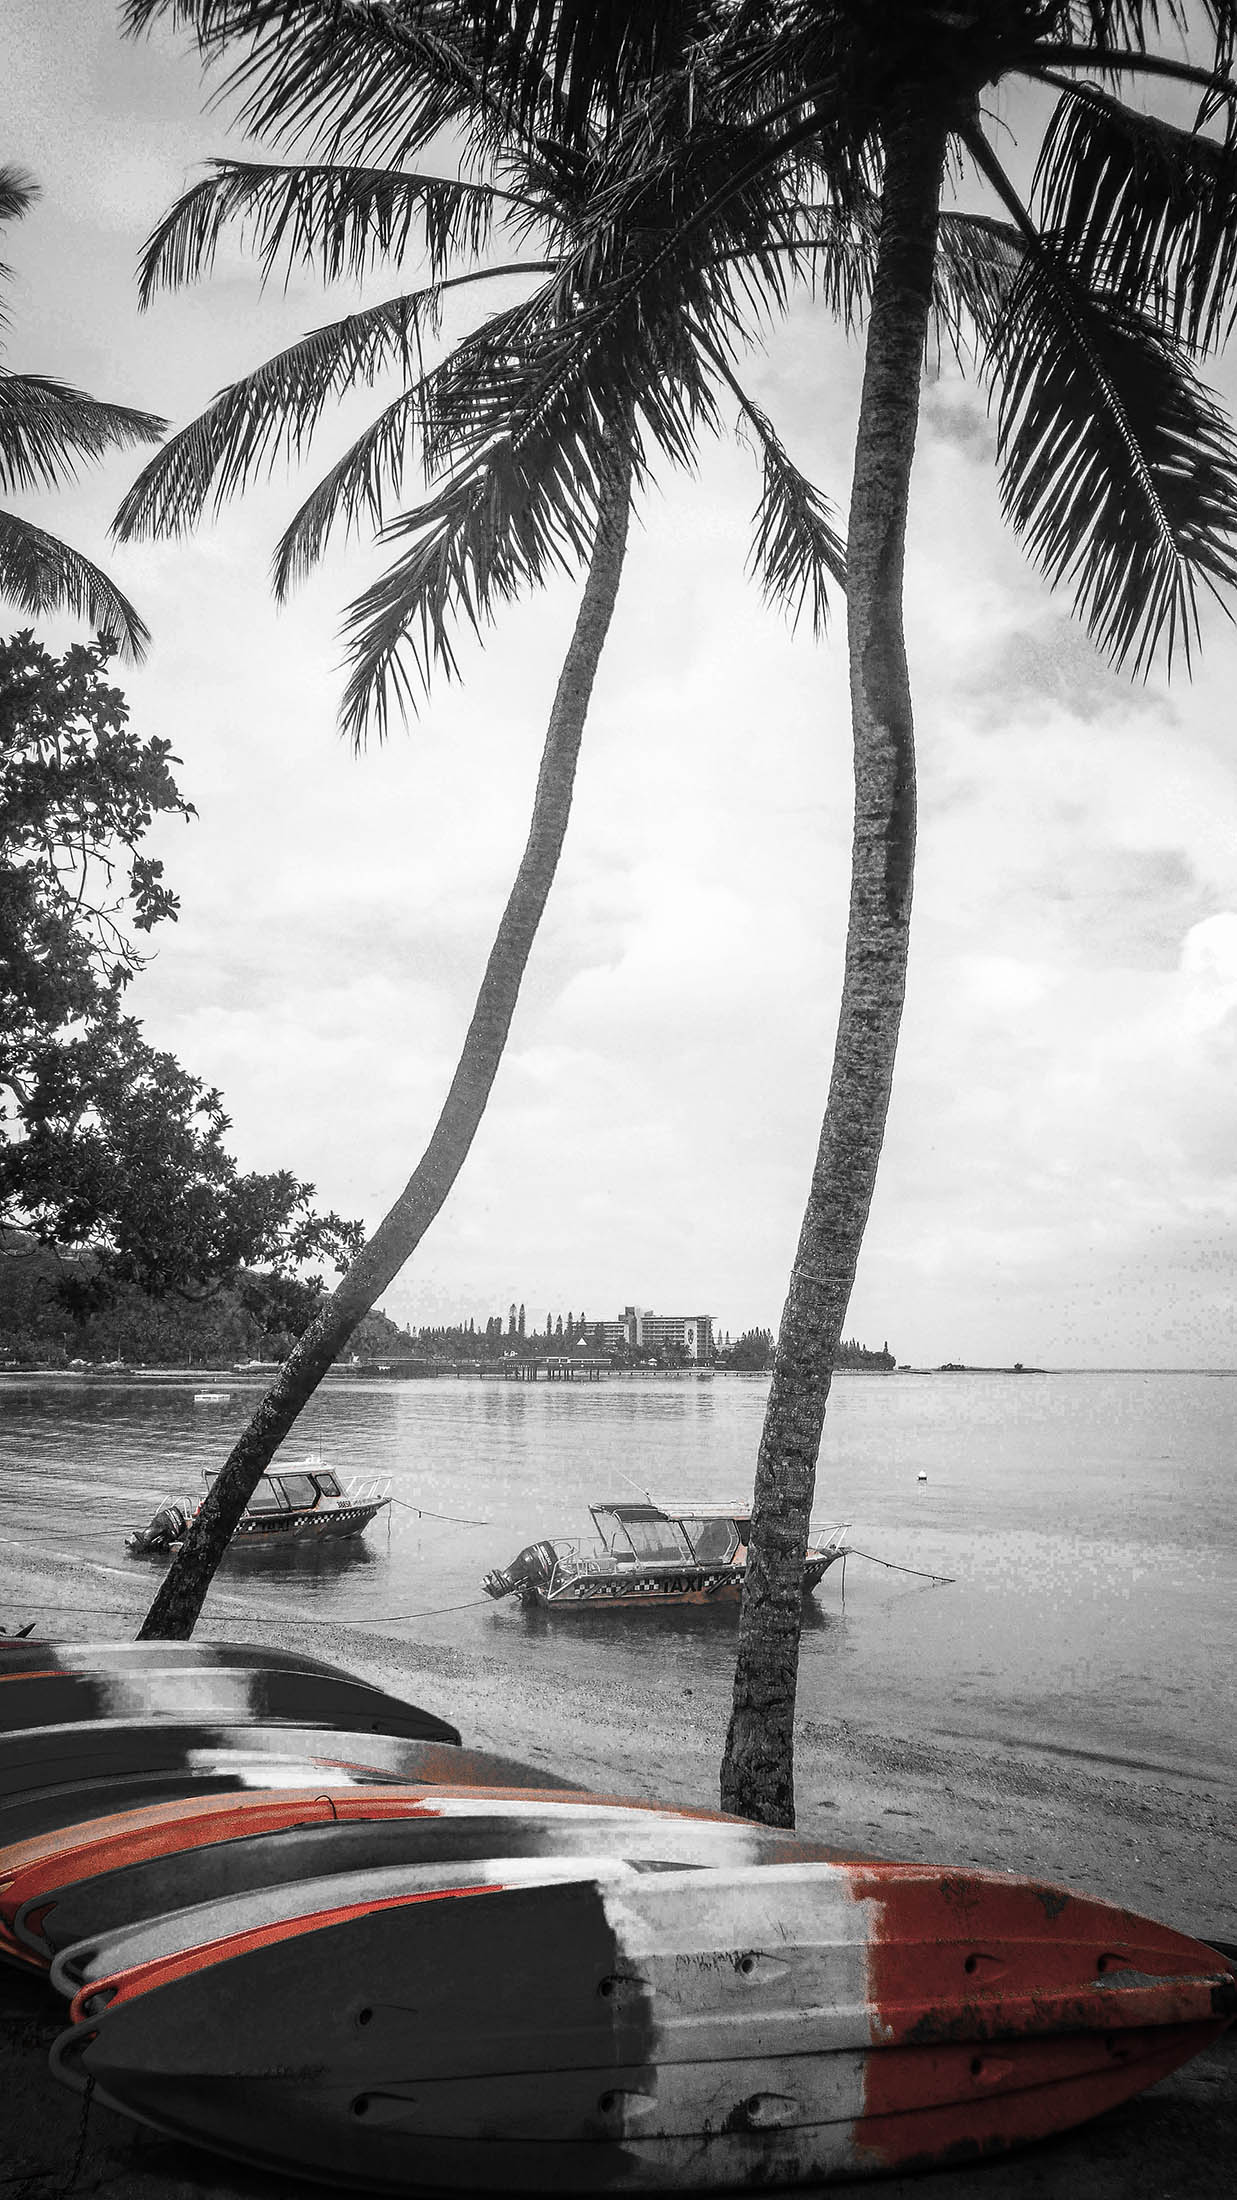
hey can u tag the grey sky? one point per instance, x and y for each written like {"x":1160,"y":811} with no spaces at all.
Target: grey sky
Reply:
{"x":1059,"y":1177}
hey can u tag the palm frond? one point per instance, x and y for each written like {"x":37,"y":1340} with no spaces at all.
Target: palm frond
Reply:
{"x":340,"y":77}
{"x":797,"y":545}
{"x":797,"y":548}
{"x":523,"y":505}
{"x":272,"y":413}
{"x":371,"y":471}
{"x":46,"y":428}
{"x":41,"y":574}
{"x":340,"y":221}
{"x":18,"y":191}
{"x":1148,"y":211}
{"x":1117,"y":466}
{"x":977,"y":262}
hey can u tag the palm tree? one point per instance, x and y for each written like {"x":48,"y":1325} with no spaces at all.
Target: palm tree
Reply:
{"x":1117,"y":466}
{"x":45,"y":427}
{"x":494,"y":523}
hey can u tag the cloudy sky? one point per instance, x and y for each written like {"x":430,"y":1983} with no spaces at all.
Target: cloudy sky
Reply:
{"x":1058,"y":1183}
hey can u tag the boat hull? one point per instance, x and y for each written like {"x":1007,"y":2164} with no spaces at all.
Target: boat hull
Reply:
{"x":308,"y":1526}
{"x":644,"y":1589}
{"x":627,"y":2031}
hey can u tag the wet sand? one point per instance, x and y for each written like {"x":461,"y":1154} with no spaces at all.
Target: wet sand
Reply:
{"x":1157,"y":1843}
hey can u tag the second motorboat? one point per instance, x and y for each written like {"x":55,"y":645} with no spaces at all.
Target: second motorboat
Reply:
{"x":647,"y":1555}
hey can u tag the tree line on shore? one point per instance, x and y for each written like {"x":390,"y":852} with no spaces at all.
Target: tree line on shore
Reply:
{"x":492,"y":1339}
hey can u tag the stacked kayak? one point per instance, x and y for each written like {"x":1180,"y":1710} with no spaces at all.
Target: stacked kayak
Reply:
{"x":367,"y":1955}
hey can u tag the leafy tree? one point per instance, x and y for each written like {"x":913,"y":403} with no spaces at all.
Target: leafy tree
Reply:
{"x":1117,"y":465}
{"x":45,"y":429}
{"x":122,"y":1151}
{"x":381,"y":84}
{"x":104,"y":1141}
{"x":78,"y":793}
{"x":753,"y":1350}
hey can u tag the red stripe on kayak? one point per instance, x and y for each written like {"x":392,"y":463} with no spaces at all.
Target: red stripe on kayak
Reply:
{"x":13,"y":1952}
{"x":129,"y":1837}
{"x":141,"y":1978}
{"x":1002,"y":2010}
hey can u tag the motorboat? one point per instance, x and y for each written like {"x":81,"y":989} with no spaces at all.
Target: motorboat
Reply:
{"x":645,"y":1555}
{"x":301,"y":1502}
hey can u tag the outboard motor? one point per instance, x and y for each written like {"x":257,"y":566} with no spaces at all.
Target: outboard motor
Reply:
{"x":167,"y":1525}
{"x":531,"y":1569}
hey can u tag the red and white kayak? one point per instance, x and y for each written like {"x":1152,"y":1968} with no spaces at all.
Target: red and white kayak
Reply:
{"x":599,"y":2025}
{"x":73,"y":1887}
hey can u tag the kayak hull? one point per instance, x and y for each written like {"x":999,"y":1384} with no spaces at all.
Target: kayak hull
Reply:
{"x":229,"y":1694}
{"x":74,"y":1892}
{"x":55,"y":1777}
{"x":628,"y":2029}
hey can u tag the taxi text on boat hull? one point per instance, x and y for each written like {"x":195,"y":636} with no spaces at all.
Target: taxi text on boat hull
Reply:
{"x":647,"y":1556}
{"x":297,"y":1503}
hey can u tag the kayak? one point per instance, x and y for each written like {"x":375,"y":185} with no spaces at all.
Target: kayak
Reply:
{"x":69,"y":1890}
{"x":230,"y":1694}
{"x":593,"y":2025}
{"x":21,"y":1655}
{"x":53,"y":1777}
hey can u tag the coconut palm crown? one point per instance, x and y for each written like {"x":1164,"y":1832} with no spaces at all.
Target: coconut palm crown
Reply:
{"x":515,"y":487}
{"x":46,"y":428}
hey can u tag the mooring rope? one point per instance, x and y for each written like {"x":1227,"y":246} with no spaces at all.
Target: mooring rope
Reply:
{"x":423,"y":1512}
{"x":853,"y":1552}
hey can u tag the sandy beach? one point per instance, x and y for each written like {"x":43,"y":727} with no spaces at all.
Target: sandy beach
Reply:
{"x":1157,"y":1843}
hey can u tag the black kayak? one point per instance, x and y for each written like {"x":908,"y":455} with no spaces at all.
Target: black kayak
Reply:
{"x":22,"y":1655}
{"x":57,"y":1776}
{"x":230,"y":1695}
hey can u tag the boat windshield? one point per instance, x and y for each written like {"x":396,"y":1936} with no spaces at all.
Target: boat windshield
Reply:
{"x":650,"y":1537}
{"x":266,"y":1498}
{"x":298,"y":1489}
{"x":327,"y":1484}
{"x":713,"y":1541}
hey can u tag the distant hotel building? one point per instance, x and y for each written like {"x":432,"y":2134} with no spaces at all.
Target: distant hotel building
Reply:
{"x":641,"y":1330}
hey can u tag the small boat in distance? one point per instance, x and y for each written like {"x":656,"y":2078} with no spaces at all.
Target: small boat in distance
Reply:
{"x":300,"y":1502}
{"x":647,"y":1556}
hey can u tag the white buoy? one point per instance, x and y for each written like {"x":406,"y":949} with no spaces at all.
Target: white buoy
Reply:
{"x":921,"y":1476}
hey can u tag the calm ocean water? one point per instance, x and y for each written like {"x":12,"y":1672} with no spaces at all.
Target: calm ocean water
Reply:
{"x":1087,"y":1522}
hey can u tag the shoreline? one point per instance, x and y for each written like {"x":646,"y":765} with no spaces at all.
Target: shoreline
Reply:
{"x":1160,"y":1844}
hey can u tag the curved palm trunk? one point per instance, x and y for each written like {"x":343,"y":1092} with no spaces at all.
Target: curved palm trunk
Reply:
{"x":757,"y":1777}
{"x":180,"y":1598}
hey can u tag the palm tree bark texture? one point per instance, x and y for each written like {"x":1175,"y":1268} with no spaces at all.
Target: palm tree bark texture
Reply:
{"x":757,"y":1778}
{"x":176,"y":1607}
